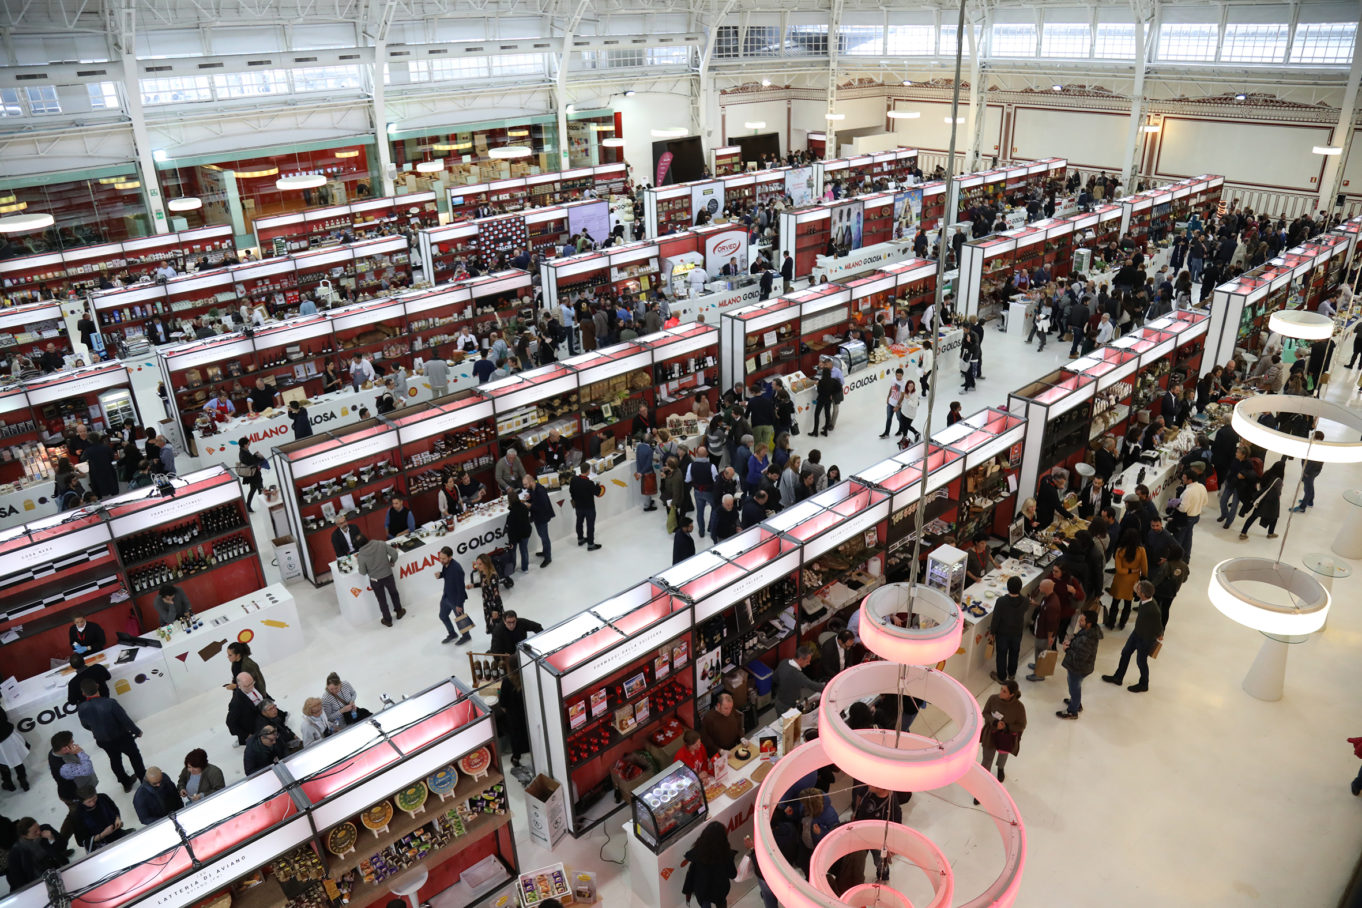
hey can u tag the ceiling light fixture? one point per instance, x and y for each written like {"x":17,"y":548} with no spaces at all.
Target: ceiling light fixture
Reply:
{"x":522,"y":133}
{"x":160,"y":155}
{"x":510,"y":151}
{"x":186,"y":203}
{"x":1241,"y":97}
{"x":907,"y":83}
{"x":755,"y":124}
{"x":834,"y":116}
{"x":765,"y":83}
{"x":130,"y":184}
{"x":25,"y":223}
{"x":1301,"y":324}
{"x":602,"y":127}
{"x":612,"y":143}
{"x":347,"y":154}
{"x":300,"y":181}
{"x":1327,"y":150}
{"x":1245,"y":422}
{"x":431,"y":166}
{"x":571,"y":108}
{"x":956,"y":119}
{"x":669,"y":132}
{"x":1149,"y":128}
{"x":630,"y":93}
{"x":253,"y":174}
{"x":11,"y":206}
{"x":1308,"y":599}
{"x":1056,"y":87}
{"x":904,"y":114}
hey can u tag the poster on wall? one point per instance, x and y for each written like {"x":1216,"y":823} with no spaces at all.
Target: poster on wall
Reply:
{"x":726,"y":246}
{"x":799,"y":185}
{"x":847,"y":221}
{"x":907,"y":213}
{"x":505,"y":234}
{"x":593,"y":217}
{"x":706,"y":197}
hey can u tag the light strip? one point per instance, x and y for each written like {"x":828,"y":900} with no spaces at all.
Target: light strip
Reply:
{"x":1310,"y":599}
{"x":1301,"y":324}
{"x":1245,"y":422}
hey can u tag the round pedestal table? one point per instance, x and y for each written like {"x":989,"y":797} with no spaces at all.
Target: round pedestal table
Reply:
{"x":409,"y":884}
{"x":1348,"y":542}
{"x":1327,"y":568}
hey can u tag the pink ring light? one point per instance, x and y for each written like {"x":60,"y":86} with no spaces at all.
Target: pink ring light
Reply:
{"x":875,"y":895}
{"x":793,"y":891}
{"x":911,"y":646}
{"x":871,"y":755}
{"x":869,"y":835}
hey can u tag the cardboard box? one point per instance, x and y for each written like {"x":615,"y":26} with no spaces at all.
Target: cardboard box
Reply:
{"x":735,"y":682}
{"x":289,"y":559}
{"x":1045,"y":664}
{"x":548,"y":810}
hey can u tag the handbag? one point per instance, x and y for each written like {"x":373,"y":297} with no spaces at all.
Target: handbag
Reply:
{"x":1154,"y":650}
{"x":794,"y":427}
{"x":650,"y":483}
{"x":1212,"y":484}
{"x":1004,"y":741}
{"x":744,"y":869}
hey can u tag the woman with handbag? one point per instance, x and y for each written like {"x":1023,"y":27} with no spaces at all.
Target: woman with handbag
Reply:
{"x":712,"y":868}
{"x":1268,"y":506}
{"x":1004,"y":722}
{"x":248,"y":468}
{"x":485,"y":578}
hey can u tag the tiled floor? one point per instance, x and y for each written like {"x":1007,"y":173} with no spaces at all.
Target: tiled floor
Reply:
{"x":1192,"y":793}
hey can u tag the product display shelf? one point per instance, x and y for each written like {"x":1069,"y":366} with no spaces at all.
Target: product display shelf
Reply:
{"x":444,"y":249}
{"x":914,"y":283}
{"x":55,"y":275}
{"x":1189,"y":327}
{"x":1058,"y":411}
{"x":742,"y":592}
{"x":354,"y":470}
{"x":434,"y":318}
{"x":195,"y":371}
{"x":989,"y":267}
{"x":263,"y":840}
{"x":1113,"y":370}
{"x":667,"y":210}
{"x":530,"y":404}
{"x":376,"y":329}
{"x":1096,"y":230}
{"x":292,"y":355}
{"x":26,"y":329}
{"x":200,"y":541}
{"x":740,"y":189}
{"x":878,"y":222}
{"x":301,"y":230}
{"x":924,"y":468}
{"x":726,"y":160}
{"x":1155,"y":349}
{"x":685,"y":366}
{"x":999,"y":187}
{"x":991,"y":441}
{"x":619,"y":269}
{"x":933,"y":204}
{"x":547,"y":229}
{"x":841,"y":534}
{"x":443,"y":438}
{"x":605,"y":663}
{"x":804,"y":235}
{"x":758,"y":341}
{"x":500,"y":299}
{"x":825,"y":322}
{"x":613,"y":383}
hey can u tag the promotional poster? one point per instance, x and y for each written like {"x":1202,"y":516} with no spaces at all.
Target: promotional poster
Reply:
{"x":907,"y":213}
{"x":847,"y":221}
{"x":799,"y":186}
{"x":720,"y":247}
{"x":594,"y":218}
{"x":707,"y":197}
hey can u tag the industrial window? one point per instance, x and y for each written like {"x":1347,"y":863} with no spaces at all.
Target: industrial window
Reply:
{"x":1065,"y":39}
{"x":445,"y":70}
{"x":911,"y":40}
{"x":9,"y":103}
{"x":327,"y":78}
{"x":103,"y":96}
{"x":1324,"y":42}
{"x":806,"y":40}
{"x":726,"y":42}
{"x":1254,"y":43}
{"x":517,"y":65}
{"x":761,"y":41}
{"x":948,"y":41}
{"x":1115,"y":41}
{"x":176,"y":89}
{"x":668,"y":56}
{"x":1014,"y":40}
{"x":861,"y":40}
{"x":251,"y":85}
{"x":1193,"y":41}
{"x":42,"y":99}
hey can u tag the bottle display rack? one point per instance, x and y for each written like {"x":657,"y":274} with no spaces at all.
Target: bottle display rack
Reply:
{"x":330,"y":225}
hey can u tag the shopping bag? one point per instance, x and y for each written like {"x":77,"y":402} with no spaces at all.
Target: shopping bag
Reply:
{"x":988,"y":649}
{"x":744,"y":869}
{"x":463,"y":623}
{"x":1154,"y":650}
{"x":1045,"y":663}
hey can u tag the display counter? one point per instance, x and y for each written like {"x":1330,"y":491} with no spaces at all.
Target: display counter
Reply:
{"x":968,"y":664}
{"x":140,"y":684}
{"x":656,"y":877}
{"x":877,"y":255}
{"x":196,"y":660}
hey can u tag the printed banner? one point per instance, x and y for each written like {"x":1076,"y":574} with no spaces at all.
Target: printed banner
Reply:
{"x":664,"y":164}
{"x":907,"y":213}
{"x":725,"y":245}
{"x":799,"y":185}
{"x":706,"y":197}
{"x":847,"y":220}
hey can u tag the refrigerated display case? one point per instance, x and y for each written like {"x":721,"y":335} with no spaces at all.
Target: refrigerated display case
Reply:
{"x":946,"y":570}
{"x":668,"y":804}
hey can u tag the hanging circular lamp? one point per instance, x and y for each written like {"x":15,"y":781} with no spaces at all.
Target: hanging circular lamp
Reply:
{"x":185,"y":203}
{"x":1301,"y":324}
{"x":1245,"y":422}
{"x":509,"y":151}
{"x":26,"y":223}
{"x":1304,"y":604}
{"x":300,"y":181}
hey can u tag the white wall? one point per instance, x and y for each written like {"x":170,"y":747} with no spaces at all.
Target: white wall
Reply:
{"x":643,"y":113}
{"x":1276,"y":156}
{"x":27,"y":154}
{"x":1086,"y":139}
{"x":931,"y":132}
{"x":775,"y":114}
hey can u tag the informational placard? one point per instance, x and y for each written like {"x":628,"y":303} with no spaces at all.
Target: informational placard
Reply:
{"x":800,"y":184}
{"x":706,"y":197}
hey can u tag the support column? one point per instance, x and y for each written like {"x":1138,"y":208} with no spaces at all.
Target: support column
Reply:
{"x":1343,"y":133}
{"x":141,"y":139}
{"x":706,"y":97}
{"x":379,"y":18}
{"x":977,"y":113}
{"x":1144,"y":42}
{"x":834,"y":42}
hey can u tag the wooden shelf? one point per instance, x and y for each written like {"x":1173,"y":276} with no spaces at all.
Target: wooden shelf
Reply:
{"x":403,"y":823}
{"x":481,"y":827}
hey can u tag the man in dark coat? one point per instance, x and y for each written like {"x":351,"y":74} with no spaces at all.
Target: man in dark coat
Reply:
{"x":114,"y":732}
{"x":103,"y":467}
{"x":1048,"y":494}
{"x":156,"y":797}
{"x":582,"y":491}
{"x":1079,"y":662}
{"x":512,"y":630}
{"x":683,"y":544}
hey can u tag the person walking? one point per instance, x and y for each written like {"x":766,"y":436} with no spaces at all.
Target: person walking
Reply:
{"x":1169,"y":575}
{"x":114,"y":732}
{"x":1080,"y":658}
{"x":701,"y":476}
{"x":1005,"y":632}
{"x":453,"y":596}
{"x":891,"y":401}
{"x":582,"y":492}
{"x":969,"y":354}
{"x":375,"y":559}
{"x":1236,"y":483}
{"x":712,"y":870}
{"x":487,"y":579}
{"x":683,"y":545}
{"x":1132,"y":566}
{"x":645,"y":471}
{"x":1147,"y":633}
{"x":518,"y":526}
{"x":908,"y":405}
{"x":828,"y":389}
{"x":1190,"y":503}
{"x":1309,"y":470}
{"x":13,"y":752}
{"x":541,"y":512}
{"x":1268,"y":506}
{"x":249,"y":465}
{"x":1004,"y":721}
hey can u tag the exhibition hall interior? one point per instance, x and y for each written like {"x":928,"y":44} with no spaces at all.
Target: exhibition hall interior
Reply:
{"x":816,"y":454}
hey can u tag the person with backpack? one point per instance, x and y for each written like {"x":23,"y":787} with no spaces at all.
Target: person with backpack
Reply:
{"x":1080,"y":659}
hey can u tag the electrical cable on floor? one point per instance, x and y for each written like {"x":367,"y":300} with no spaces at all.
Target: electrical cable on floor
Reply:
{"x":605,"y":827}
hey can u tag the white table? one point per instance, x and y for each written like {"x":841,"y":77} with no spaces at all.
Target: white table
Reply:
{"x":655,"y":879}
{"x":326,"y":411}
{"x":142,"y":687}
{"x":28,"y":503}
{"x":266,"y":619}
{"x":968,"y":663}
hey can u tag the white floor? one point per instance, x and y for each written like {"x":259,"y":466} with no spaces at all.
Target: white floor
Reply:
{"x":1192,"y":793}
